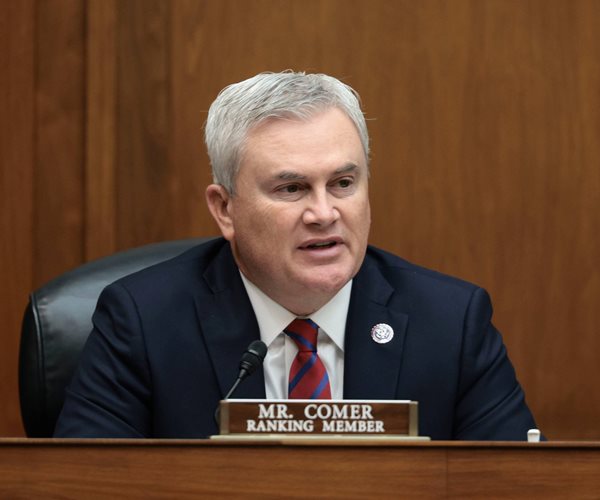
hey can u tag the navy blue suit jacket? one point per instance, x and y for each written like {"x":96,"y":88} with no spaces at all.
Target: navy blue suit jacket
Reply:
{"x":167,"y":341}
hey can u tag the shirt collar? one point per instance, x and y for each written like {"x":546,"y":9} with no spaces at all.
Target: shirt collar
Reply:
{"x":272,"y":318}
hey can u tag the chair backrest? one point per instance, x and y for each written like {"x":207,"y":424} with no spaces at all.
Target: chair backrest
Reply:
{"x":57,"y":322}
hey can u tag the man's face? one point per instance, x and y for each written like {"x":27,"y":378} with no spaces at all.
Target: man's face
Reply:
{"x":299,"y":220}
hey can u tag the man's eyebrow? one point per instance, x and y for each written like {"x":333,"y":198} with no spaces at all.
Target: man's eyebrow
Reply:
{"x":290,"y":175}
{"x":349,"y":167}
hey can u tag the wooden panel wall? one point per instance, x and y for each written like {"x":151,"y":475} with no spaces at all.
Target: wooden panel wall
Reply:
{"x":484,"y":116}
{"x":16,"y":193}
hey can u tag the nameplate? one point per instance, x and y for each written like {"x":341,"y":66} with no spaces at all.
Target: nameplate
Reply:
{"x":318,"y":417}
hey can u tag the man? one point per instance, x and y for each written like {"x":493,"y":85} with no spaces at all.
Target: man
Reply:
{"x":289,"y":154}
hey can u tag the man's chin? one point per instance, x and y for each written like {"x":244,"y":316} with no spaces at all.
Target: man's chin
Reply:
{"x":325,"y":285}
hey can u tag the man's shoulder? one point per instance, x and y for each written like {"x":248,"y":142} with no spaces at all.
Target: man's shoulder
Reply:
{"x":400,"y":272}
{"x":188,"y":267}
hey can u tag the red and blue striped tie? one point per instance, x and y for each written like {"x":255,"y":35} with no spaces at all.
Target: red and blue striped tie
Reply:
{"x":308,"y":376}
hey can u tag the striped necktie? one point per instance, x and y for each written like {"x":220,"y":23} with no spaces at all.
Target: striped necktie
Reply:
{"x":308,"y":376}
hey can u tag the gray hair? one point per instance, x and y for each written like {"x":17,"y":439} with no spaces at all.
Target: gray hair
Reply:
{"x":241,"y":106}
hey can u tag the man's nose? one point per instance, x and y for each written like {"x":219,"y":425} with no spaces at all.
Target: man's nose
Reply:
{"x":320,"y":209}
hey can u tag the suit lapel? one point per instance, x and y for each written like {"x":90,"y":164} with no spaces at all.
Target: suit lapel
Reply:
{"x":371,"y":370}
{"x":228,"y":325}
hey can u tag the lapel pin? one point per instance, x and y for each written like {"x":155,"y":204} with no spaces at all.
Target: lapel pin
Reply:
{"x":382,"y":333}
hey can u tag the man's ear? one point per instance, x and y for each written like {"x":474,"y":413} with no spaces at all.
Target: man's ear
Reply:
{"x":218,"y":201}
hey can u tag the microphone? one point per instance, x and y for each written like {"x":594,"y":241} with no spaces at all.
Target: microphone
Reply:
{"x":251,"y":360}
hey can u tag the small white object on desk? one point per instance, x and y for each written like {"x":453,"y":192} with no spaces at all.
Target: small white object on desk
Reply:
{"x":533,"y":436}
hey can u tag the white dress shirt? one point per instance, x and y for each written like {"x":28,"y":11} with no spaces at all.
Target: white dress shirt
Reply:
{"x":273,"y":318}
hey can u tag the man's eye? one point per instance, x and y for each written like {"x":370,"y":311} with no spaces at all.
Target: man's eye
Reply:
{"x":343,"y":187}
{"x":290,"y":191}
{"x":344,"y":183}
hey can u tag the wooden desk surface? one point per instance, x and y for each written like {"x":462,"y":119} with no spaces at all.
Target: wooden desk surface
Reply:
{"x":53,"y":468}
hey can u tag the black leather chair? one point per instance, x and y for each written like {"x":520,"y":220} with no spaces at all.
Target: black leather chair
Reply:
{"x":57,"y":322}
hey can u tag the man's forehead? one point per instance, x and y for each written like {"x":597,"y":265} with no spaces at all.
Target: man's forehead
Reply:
{"x":330,"y":129}
{"x":324,"y":145}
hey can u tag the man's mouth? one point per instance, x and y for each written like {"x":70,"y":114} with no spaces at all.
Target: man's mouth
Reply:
{"x":319,"y":245}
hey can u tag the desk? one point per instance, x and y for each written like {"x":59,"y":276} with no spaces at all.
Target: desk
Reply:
{"x":53,"y":468}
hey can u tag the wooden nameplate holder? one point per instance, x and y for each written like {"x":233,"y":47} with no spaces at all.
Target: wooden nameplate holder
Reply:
{"x":244,"y":418}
